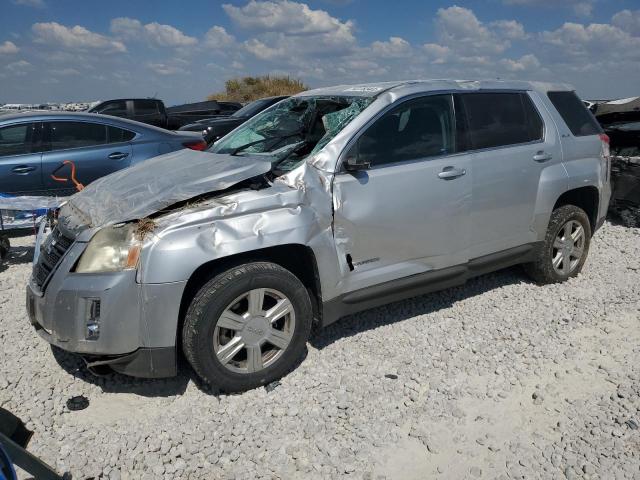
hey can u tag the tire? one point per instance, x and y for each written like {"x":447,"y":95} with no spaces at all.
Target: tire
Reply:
{"x":208,"y":337}
{"x":4,"y":246}
{"x":542,"y":269}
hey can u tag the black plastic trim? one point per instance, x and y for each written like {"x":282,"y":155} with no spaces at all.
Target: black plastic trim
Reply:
{"x":144,"y":362}
{"x":422,"y":283}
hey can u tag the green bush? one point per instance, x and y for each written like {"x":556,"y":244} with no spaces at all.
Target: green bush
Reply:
{"x":247,"y":89}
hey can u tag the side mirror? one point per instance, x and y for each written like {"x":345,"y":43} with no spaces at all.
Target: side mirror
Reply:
{"x":353,"y":163}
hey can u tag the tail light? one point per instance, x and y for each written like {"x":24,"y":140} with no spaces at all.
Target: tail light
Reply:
{"x":199,"y":145}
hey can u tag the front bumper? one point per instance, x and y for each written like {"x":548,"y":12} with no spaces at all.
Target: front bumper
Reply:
{"x":137,"y":322}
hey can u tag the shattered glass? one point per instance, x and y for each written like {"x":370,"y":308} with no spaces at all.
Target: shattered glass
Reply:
{"x":336,"y":121}
{"x":293,"y":129}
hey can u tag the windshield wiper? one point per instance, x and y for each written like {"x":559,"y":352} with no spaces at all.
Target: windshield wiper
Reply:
{"x":278,"y":139}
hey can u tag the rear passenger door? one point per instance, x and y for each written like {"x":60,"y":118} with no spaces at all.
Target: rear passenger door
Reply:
{"x":96,"y":150}
{"x":511,"y":150}
{"x":20,"y":168}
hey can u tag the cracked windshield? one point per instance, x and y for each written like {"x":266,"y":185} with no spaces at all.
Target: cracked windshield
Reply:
{"x":293,"y":129}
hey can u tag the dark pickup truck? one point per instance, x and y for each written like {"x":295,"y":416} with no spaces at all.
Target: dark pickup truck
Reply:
{"x":154,"y":112}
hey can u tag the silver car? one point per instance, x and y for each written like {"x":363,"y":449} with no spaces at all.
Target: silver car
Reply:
{"x":330,"y":202}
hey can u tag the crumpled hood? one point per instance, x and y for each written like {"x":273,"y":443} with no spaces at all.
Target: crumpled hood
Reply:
{"x":154,"y":184}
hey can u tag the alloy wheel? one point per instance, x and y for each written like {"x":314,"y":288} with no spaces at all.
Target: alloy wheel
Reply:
{"x":568,"y":248}
{"x":254,"y":330}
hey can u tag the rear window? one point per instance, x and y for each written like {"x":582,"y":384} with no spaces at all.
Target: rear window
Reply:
{"x":117,"y":108}
{"x":500,"y":119}
{"x":117,"y":135}
{"x":579,"y":120}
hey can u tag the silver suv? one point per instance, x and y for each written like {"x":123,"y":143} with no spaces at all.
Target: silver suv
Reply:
{"x":330,"y":202}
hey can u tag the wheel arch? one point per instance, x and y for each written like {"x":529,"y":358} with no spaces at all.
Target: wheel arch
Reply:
{"x":298,"y":259}
{"x":587,"y":198}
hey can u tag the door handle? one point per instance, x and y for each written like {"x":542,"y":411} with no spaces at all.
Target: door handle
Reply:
{"x":118,"y":155}
{"x":22,"y":169}
{"x":541,"y":156}
{"x":449,"y":173}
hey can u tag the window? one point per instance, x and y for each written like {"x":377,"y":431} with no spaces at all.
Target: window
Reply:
{"x":416,"y":129}
{"x":118,"y":108}
{"x":117,"y":135}
{"x":500,"y":119}
{"x":293,"y":129}
{"x":145,"y":107}
{"x":65,"y":135}
{"x":579,"y":120}
{"x":16,"y":139}
{"x":228,"y":107}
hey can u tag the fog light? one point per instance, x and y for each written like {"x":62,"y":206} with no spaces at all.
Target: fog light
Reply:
{"x":93,"y":319}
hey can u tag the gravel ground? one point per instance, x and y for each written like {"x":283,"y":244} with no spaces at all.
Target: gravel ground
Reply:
{"x":497,"y":379}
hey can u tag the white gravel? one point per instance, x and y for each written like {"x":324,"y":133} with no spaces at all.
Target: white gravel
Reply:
{"x":497,"y":379}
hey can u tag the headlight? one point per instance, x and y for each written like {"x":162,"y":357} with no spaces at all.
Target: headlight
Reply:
{"x":112,"y":249}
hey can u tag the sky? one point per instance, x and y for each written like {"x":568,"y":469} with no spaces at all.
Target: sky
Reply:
{"x":73,"y":50}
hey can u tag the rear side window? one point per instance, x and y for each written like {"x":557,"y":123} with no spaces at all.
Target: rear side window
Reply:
{"x":117,"y":108}
{"x":65,"y":135}
{"x":118,"y":135}
{"x":579,"y":120}
{"x":16,"y":139}
{"x":500,"y":119}
{"x":228,"y":107}
{"x":416,"y":129}
{"x":145,"y":107}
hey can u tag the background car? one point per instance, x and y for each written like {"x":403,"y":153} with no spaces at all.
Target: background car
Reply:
{"x":215,"y":128}
{"x":154,"y":112}
{"x":145,"y":110}
{"x":34,"y":146}
{"x":180,"y":115}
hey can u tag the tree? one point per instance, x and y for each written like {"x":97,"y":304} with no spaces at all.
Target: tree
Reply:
{"x":247,"y":89}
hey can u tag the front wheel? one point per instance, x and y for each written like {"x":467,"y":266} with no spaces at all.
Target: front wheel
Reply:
{"x":565,"y":247}
{"x":247,"y":327}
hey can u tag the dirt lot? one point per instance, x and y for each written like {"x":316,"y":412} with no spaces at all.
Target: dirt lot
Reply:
{"x":497,"y":379}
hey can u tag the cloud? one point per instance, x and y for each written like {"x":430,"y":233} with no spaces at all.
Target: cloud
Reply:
{"x":320,"y":47}
{"x":167,"y":36}
{"x":77,"y":37}
{"x":163,"y":68}
{"x":527,"y":62}
{"x":218,"y":37}
{"x":157,"y":34}
{"x":290,"y":32}
{"x":628,"y":20}
{"x":19,"y":67}
{"x":30,"y":3}
{"x":284,"y":16}
{"x":582,"y":8}
{"x":459,"y":29}
{"x":8,"y":47}
{"x":509,"y":29}
{"x":591,"y":43}
{"x":395,"y":47}
{"x":63,"y":72}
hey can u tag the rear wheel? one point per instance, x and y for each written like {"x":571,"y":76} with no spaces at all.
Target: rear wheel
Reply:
{"x":565,"y":248}
{"x":247,"y":326}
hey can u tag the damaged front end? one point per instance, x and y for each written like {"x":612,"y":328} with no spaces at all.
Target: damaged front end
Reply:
{"x":134,"y":239}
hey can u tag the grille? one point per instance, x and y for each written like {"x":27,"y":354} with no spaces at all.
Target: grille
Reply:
{"x":53,"y":249}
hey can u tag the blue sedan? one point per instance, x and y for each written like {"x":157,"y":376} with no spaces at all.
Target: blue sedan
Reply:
{"x":34,"y":147}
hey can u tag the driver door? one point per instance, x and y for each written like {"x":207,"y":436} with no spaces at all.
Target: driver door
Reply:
{"x":408,"y":213}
